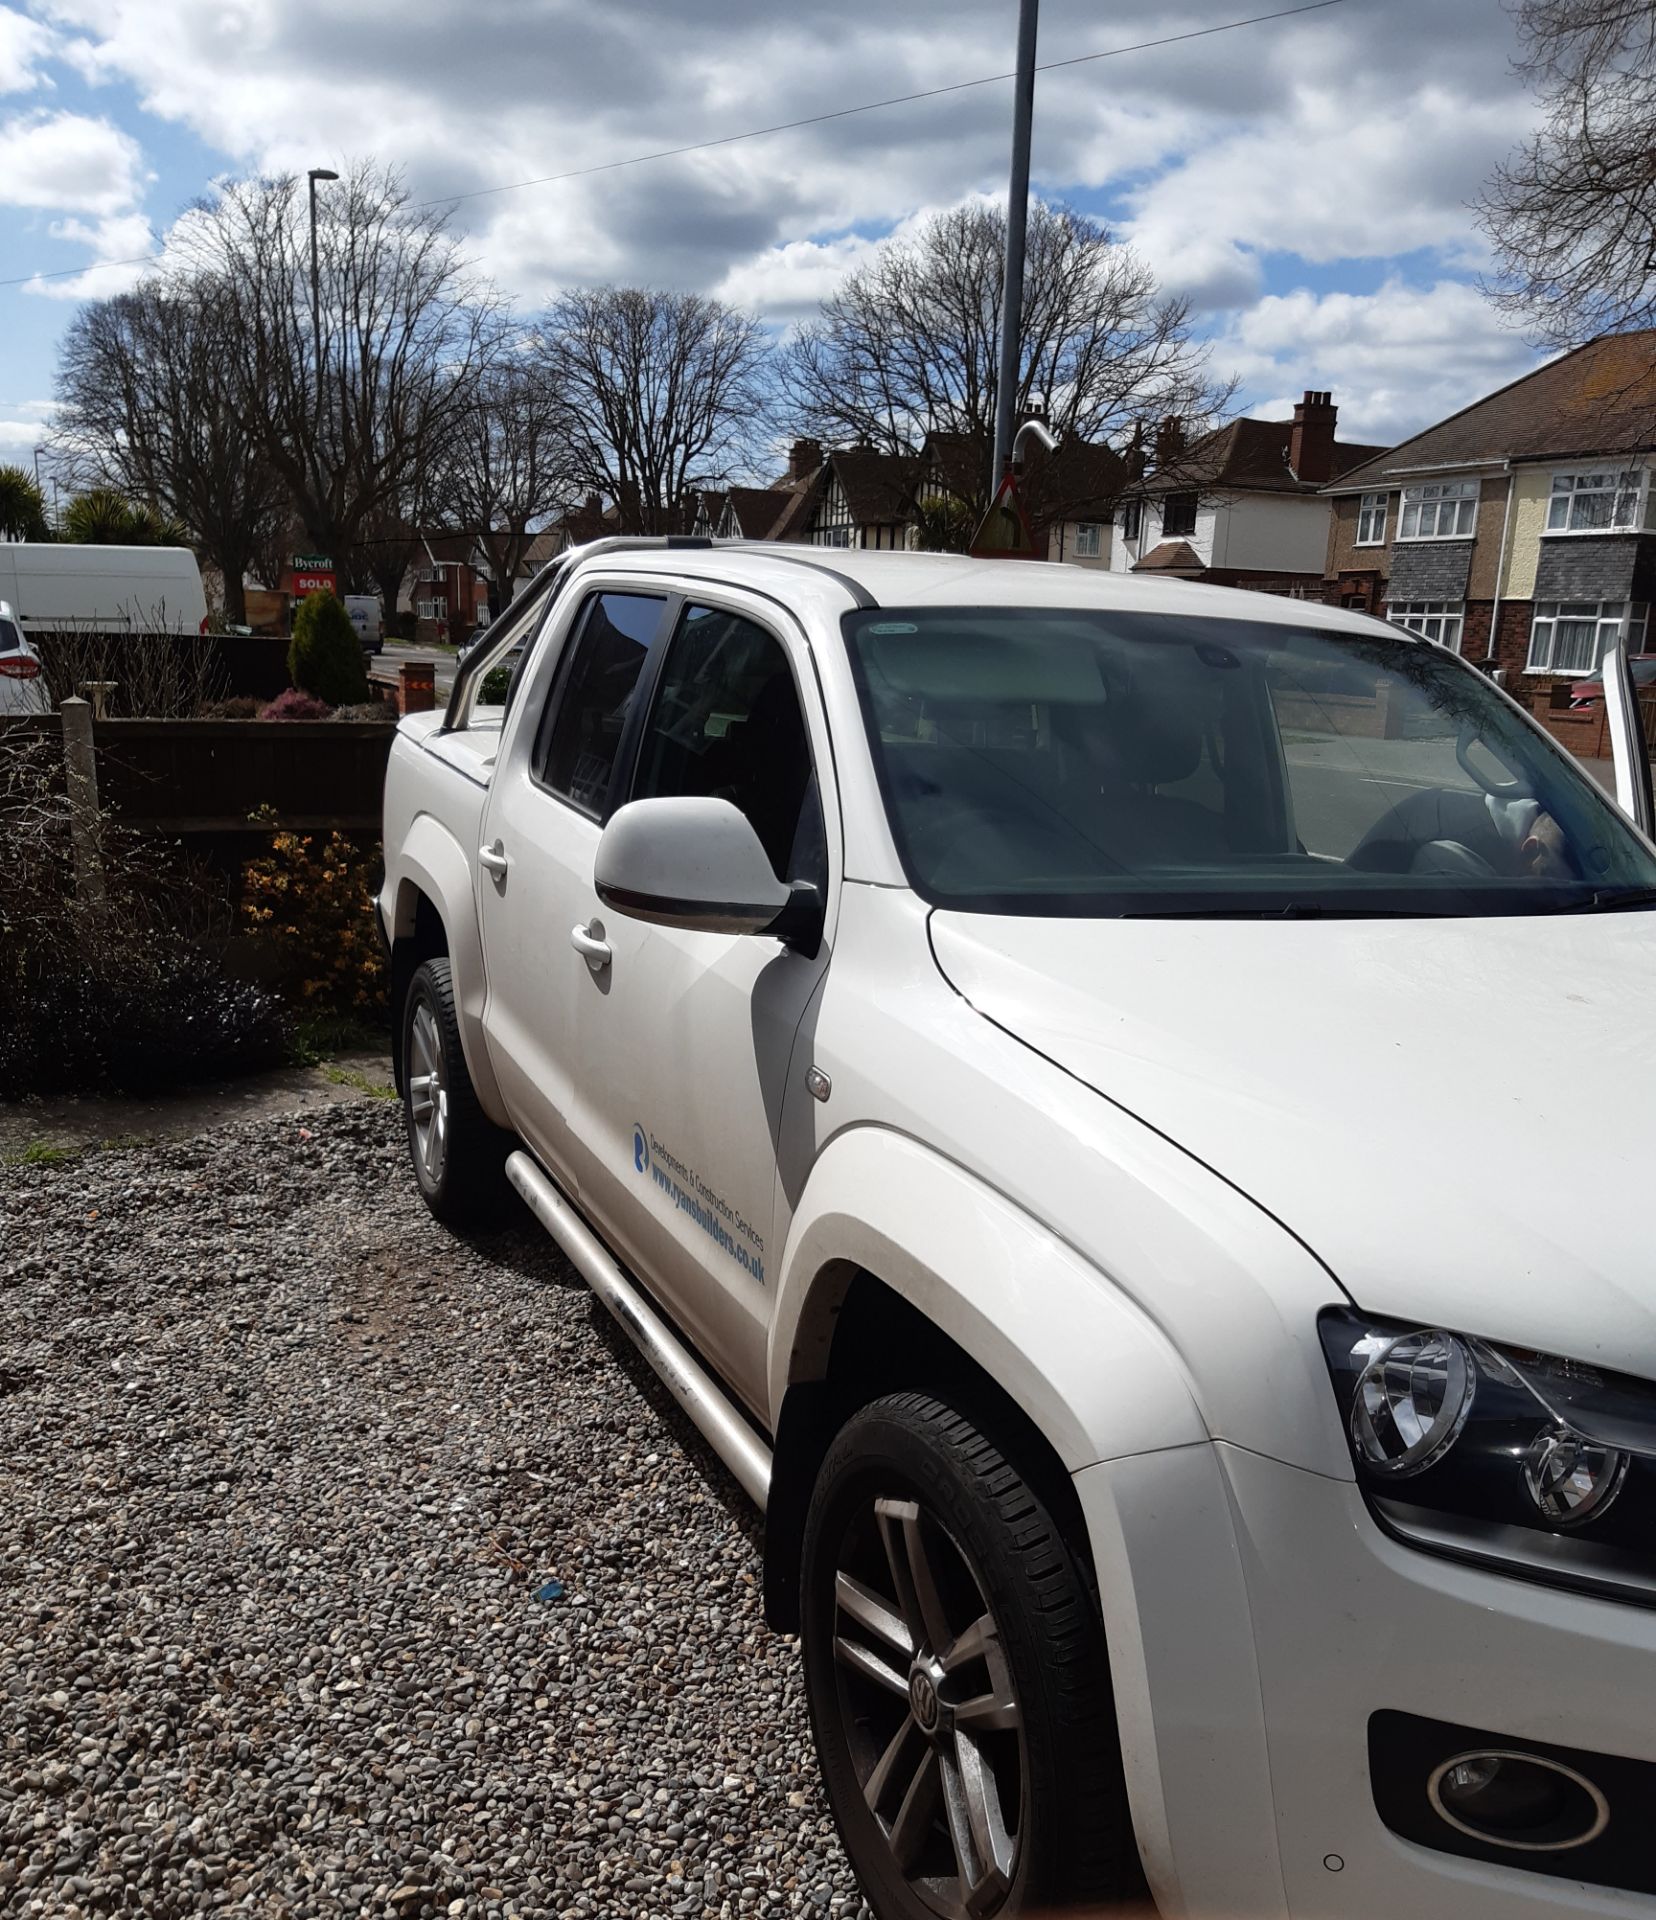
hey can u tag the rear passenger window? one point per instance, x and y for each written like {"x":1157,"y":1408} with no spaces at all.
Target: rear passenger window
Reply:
{"x":597,"y":696}
{"x":727,"y":724}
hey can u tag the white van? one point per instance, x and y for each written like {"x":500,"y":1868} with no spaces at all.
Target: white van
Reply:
{"x":366,"y":617}
{"x":103,"y":589}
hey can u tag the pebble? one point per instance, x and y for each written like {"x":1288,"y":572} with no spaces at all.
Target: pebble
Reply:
{"x":285,"y":1465}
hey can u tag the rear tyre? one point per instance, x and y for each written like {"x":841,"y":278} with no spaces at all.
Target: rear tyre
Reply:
{"x":958,"y":1686}
{"x":459,"y":1155}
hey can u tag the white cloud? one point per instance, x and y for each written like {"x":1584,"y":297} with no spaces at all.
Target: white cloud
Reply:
{"x":1395,"y":360}
{"x":23,"y":427}
{"x":24,"y":45}
{"x":69,"y":162}
{"x":1355,"y":131}
{"x":120,"y":247}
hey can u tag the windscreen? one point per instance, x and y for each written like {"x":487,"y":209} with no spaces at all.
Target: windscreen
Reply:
{"x":1040,"y":761}
{"x":11,"y":641}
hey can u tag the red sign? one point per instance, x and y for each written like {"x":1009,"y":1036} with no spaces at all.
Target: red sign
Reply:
{"x":304,"y":583}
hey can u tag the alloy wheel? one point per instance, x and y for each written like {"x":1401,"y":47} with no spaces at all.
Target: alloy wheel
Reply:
{"x":929,"y":1712}
{"x":427,"y":1096}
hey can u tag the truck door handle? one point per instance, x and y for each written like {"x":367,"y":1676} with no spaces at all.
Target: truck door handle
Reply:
{"x":493,"y":859}
{"x":593,"y":950}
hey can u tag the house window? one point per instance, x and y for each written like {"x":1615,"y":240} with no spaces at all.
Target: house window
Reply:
{"x":833,"y":537}
{"x":1440,"y":510}
{"x":1573,"y":636}
{"x":1132,"y":519}
{"x":1371,"y":520}
{"x":425,"y":609}
{"x":1437,"y":620}
{"x":1086,"y":540}
{"x":1601,"y":502}
{"x":1178,"y":516}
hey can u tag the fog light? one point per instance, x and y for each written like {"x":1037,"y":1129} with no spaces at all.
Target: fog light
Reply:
{"x":1570,"y":1479}
{"x":1411,"y":1402}
{"x":1518,"y":1800}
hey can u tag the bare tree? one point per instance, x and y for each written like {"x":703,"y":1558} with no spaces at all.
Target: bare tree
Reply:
{"x":510,"y":463}
{"x":1572,"y":214}
{"x":145,"y":410}
{"x":403,"y":325}
{"x":909,"y":343}
{"x":666,"y":392}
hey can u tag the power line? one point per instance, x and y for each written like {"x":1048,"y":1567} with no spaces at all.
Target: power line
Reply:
{"x":761,"y":133}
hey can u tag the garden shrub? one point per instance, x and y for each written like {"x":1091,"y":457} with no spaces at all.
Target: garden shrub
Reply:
{"x":291,"y":704}
{"x":325,"y":655}
{"x":240,"y":706}
{"x":132,"y":996}
{"x":312,"y":896}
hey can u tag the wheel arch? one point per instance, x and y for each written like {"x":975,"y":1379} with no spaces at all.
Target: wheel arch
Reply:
{"x":433,"y":912}
{"x":903,"y":1270}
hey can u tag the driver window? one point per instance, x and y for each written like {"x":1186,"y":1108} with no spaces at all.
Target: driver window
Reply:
{"x":727,"y":724}
{"x":1387,"y":775}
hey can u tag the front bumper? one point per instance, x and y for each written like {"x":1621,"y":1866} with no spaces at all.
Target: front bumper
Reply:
{"x":1258,"y":1617}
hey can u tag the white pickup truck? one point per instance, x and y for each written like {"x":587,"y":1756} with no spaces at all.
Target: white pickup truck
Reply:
{"x":1121,"y":1109}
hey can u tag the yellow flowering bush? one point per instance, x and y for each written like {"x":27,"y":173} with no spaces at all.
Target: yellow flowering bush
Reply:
{"x":313,"y":897}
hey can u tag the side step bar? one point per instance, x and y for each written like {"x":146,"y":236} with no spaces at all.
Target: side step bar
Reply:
{"x":706,"y":1402}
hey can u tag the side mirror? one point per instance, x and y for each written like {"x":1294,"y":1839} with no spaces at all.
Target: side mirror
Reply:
{"x":689,"y":862}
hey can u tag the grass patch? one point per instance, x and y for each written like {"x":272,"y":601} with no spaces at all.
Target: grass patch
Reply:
{"x":318,"y":1037}
{"x":349,"y":1077}
{"x":45,"y":1153}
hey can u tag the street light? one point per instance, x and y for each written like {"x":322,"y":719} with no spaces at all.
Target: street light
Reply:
{"x":1017,"y":215}
{"x":317,"y":173}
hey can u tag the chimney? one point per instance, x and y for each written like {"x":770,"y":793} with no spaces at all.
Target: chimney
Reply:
{"x":804,"y":459}
{"x":1170,"y":441}
{"x":1311,"y":441}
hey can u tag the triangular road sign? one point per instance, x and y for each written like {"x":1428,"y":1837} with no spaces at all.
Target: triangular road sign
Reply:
{"x":1003,"y":533}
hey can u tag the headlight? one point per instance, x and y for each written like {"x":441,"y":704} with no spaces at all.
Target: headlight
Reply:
{"x":1543,"y":1466}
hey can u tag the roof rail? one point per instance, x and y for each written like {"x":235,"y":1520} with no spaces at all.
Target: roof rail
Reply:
{"x":551,"y":576}
{"x":548,"y":579}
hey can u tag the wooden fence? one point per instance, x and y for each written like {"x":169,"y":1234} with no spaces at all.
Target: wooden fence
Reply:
{"x":207,"y":777}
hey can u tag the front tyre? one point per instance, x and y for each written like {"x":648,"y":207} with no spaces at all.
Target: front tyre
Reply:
{"x":459,"y":1156}
{"x":958,"y":1686}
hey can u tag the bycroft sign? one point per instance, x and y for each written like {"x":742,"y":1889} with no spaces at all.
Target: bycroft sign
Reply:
{"x":312,"y":573}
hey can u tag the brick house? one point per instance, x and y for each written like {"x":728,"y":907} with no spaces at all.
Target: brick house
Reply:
{"x":1240,"y":506}
{"x":448,"y":591}
{"x":1521,"y":530}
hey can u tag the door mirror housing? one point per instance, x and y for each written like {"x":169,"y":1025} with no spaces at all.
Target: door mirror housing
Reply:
{"x":690,"y":862}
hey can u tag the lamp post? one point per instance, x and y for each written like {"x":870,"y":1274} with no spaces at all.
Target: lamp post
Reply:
{"x":317,"y":173}
{"x":1017,"y":219}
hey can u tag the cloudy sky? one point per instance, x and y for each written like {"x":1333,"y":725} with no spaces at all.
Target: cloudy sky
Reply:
{"x":1303,"y":181}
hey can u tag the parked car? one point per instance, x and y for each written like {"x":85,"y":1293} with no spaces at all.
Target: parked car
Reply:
{"x":366,"y":617}
{"x":22,"y":685}
{"x":102,"y":589}
{"x":1590,"y":693}
{"x":1129,"y":1161}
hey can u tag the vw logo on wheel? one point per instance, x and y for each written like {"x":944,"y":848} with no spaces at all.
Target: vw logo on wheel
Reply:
{"x":641,"y":1149}
{"x":923,"y":1700}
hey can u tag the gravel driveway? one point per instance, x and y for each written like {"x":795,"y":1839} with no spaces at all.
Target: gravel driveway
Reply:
{"x":285,"y":1470}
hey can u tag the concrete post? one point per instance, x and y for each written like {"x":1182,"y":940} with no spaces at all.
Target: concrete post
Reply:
{"x":80,"y":767}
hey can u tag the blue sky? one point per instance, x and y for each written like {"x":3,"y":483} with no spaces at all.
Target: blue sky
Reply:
{"x":1303,"y":182}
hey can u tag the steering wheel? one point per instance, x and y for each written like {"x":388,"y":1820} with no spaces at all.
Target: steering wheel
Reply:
{"x":1465,"y":741}
{"x":1452,"y":859}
